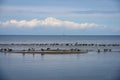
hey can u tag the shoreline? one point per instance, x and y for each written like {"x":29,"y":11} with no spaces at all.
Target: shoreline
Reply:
{"x":50,"y":52}
{"x":53,"y":52}
{"x":58,"y":48}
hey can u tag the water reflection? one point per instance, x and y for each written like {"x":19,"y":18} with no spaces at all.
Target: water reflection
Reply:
{"x":33,"y":54}
{"x":77,"y":56}
{"x":42,"y":56}
{"x":5,"y":54}
{"x":23,"y":54}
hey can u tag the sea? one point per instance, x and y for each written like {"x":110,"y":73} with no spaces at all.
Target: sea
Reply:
{"x":90,"y":66}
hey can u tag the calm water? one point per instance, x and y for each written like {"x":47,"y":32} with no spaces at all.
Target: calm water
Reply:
{"x":90,"y":66}
{"x":59,"y":39}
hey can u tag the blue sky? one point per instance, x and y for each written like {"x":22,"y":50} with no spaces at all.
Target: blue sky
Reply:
{"x":58,"y":17}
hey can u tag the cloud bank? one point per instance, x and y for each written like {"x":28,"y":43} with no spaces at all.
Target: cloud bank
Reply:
{"x":48,"y":22}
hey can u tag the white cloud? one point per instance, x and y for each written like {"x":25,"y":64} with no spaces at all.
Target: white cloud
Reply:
{"x":48,"y":22}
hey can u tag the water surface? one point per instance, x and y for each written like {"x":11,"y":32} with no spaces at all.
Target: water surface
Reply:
{"x":90,"y":66}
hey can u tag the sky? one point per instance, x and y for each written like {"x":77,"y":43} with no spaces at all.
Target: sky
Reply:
{"x":59,"y":17}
